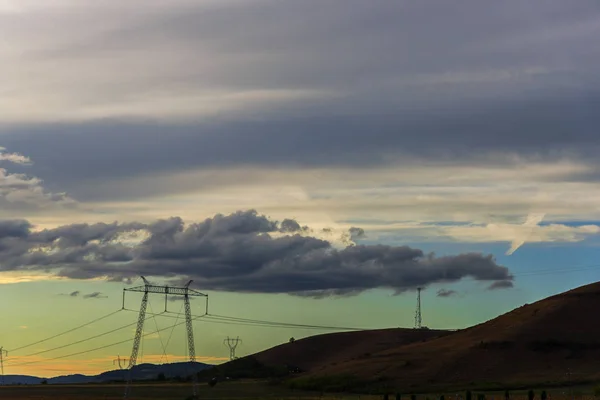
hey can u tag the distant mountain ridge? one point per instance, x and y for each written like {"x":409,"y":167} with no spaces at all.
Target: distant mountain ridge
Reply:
{"x":140,"y":372}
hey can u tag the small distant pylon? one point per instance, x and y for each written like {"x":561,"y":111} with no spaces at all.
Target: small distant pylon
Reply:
{"x":2,"y":354}
{"x":418,"y":319}
{"x":232,"y":344}
{"x":121,"y":361}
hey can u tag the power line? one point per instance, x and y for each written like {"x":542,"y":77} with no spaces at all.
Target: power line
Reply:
{"x":281,"y":324}
{"x":227,"y":320}
{"x":172,"y":330}
{"x":96,"y":348}
{"x":65,"y":332}
{"x":80,"y":341}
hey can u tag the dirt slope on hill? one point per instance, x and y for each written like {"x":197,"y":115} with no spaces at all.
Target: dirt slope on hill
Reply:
{"x":316,"y":352}
{"x":551,"y":341}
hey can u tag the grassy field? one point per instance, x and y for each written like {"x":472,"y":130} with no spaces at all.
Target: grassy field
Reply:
{"x":243,"y":390}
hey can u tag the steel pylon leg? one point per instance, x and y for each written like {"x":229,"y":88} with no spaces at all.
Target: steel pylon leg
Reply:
{"x":136,"y":343}
{"x":190,"y":337}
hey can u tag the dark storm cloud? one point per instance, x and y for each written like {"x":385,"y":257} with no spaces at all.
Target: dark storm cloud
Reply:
{"x":94,"y":295}
{"x":446,"y":293}
{"x":510,"y":77}
{"x":289,"y":225}
{"x":506,"y":284}
{"x":14,"y":228}
{"x":236,"y":253}
{"x":356,"y":233}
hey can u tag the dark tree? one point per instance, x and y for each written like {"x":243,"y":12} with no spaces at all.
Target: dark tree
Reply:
{"x":544,"y":395}
{"x":398,"y":396}
{"x":531,"y":395}
{"x":469,"y":395}
{"x":386,"y":396}
{"x":442,"y":397}
{"x":506,"y":395}
{"x":161,"y":377}
{"x":44,"y":382}
{"x":292,"y":340}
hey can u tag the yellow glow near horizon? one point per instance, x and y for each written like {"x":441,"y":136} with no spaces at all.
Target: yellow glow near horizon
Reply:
{"x":44,"y":368}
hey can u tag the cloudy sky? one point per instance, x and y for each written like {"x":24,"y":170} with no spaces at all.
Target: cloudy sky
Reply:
{"x":308,"y":161}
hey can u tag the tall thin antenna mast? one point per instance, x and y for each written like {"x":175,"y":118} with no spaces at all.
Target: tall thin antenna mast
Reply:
{"x":418,"y":318}
{"x":232,"y":344}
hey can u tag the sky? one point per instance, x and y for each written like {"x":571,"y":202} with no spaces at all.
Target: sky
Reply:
{"x":310,"y":162}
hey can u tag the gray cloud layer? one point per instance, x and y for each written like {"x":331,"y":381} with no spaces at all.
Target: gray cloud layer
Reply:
{"x":423,"y":80}
{"x":241,"y":252}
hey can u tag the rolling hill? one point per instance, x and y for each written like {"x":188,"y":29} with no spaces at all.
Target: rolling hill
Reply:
{"x":319,"y":352}
{"x":555,"y":341}
{"x":140,"y":372}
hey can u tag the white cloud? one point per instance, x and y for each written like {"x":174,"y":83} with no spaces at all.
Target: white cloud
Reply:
{"x":15,"y":158}
{"x":21,"y":192}
{"x":417,"y":202}
{"x":519,"y":234}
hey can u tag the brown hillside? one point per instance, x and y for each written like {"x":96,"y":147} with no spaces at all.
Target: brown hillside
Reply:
{"x":316,"y":352}
{"x":551,"y":341}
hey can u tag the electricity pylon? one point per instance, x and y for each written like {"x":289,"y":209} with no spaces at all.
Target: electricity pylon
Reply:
{"x":418,"y":311}
{"x":148,"y":288}
{"x":118,"y":360}
{"x":2,"y":354}
{"x":232,"y":344}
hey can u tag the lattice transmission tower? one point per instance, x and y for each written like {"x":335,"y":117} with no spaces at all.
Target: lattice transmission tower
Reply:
{"x":418,"y":317}
{"x":148,"y":288}
{"x":232,"y":344}
{"x":2,"y":354}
